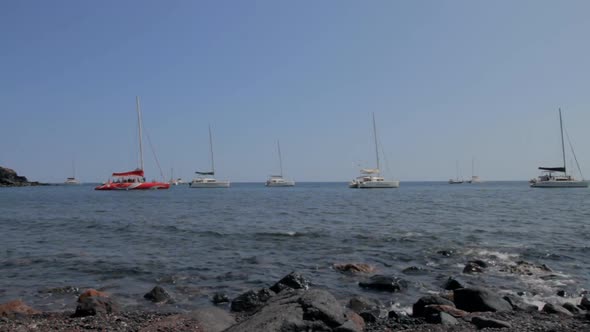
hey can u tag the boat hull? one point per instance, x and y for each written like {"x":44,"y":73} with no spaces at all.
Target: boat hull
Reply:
{"x":280,"y":184}
{"x":375,"y":185}
{"x":133,"y":186}
{"x":217,"y":184}
{"x":560,"y":184}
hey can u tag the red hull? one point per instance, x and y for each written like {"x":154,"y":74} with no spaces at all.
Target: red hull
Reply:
{"x":133,"y":186}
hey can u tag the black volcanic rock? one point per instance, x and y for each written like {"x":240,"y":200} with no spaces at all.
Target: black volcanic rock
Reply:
{"x":293,"y":280}
{"x":219,"y":298}
{"x":159,"y":295}
{"x":556,"y":309}
{"x":479,"y":299}
{"x":475,"y":266}
{"x":385,"y":283}
{"x":298,"y":310}
{"x":452,"y":284}
{"x":9,"y":178}
{"x":418,"y":308}
{"x":251,"y":300}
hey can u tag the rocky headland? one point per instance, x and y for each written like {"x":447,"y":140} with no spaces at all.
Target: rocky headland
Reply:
{"x":294,"y":304}
{"x":9,"y":178}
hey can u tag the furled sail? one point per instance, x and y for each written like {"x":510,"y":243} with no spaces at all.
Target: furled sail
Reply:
{"x":553,"y":169}
{"x":205,"y":173}
{"x":370,"y":170}
{"x":137,"y":172}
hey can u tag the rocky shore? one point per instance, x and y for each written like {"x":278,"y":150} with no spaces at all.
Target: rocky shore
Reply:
{"x":9,"y":178}
{"x":294,"y":304}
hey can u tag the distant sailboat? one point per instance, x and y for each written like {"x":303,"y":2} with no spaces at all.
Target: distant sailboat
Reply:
{"x":173,"y":181}
{"x":474,"y":178}
{"x":73,"y":179}
{"x":456,"y":180}
{"x":548,"y":180}
{"x":371,"y":177}
{"x":206,"y":179}
{"x":278,"y":180}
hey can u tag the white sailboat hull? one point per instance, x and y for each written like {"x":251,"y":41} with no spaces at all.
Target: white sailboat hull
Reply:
{"x":378,"y":184}
{"x":286,"y":183}
{"x":373,"y":184}
{"x":560,"y":184}
{"x":209,"y":184}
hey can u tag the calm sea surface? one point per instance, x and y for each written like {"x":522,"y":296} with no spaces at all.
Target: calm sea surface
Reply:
{"x":195,"y":242}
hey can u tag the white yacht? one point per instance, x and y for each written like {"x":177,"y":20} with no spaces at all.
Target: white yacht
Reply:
{"x":173,"y":181}
{"x":278,"y":180}
{"x":72,"y":180}
{"x":474,"y":178}
{"x":456,"y":180}
{"x":562,"y":179}
{"x":371,"y":177}
{"x":206,"y":179}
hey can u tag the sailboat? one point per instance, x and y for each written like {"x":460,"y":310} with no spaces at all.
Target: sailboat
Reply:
{"x":548,"y":180}
{"x":203,"y":181}
{"x":174,"y":182}
{"x":474,"y":178}
{"x":278,"y":180}
{"x":73,"y":179}
{"x":133,"y":180}
{"x":456,"y":180}
{"x":371,"y":177}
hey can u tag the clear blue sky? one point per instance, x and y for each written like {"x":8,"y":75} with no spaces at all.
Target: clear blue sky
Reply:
{"x":448,"y":80}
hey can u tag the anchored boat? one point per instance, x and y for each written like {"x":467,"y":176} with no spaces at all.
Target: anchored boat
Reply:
{"x":562,"y":179}
{"x":133,"y":180}
{"x":371,"y":177}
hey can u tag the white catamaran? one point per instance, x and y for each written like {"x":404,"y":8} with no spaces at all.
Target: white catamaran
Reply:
{"x":371,"y":177}
{"x":474,"y":178}
{"x":564,"y":180}
{"x":278,"y":180}
{"x":73,"y":179}
{"x":206,"y":179}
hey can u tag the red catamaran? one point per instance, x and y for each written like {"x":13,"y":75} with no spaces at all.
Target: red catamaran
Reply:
{"x":133,"y":180}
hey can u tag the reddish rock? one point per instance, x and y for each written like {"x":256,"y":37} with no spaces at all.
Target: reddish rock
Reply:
{"x":357,"y":320}
{"x":354,"y":268}
{"x":91,"y":293}
{"x":451,"y":310}
{"x":92,"y":302}
{"x":16,"y":307}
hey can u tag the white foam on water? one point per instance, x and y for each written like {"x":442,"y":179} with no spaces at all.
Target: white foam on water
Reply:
{"x":497,"y":255}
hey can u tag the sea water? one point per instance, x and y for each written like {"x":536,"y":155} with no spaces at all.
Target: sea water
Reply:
{"x":55,"y":240}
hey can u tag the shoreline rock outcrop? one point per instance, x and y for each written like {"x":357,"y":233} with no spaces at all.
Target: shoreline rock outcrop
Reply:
{"x":9,"y":178}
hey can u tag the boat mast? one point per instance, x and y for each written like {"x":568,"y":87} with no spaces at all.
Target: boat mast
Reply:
{"x":376,"y":148}
{"x":139,"y":126}
{"x":74,"y":168}
{"x":280,"y":158}
{"x":562,"y":144}
{"x":211,"y":150}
